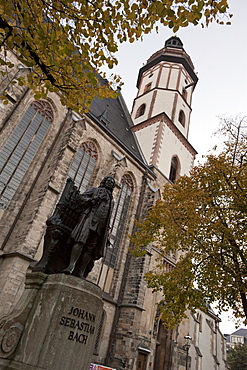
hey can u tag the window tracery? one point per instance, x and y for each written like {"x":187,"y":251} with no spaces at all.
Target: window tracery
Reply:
{"x":119,"y":219}
{"x":21,"y":147}
{"x":83,"y":165}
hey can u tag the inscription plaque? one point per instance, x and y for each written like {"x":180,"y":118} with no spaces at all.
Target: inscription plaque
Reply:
{"x":81,"y":327}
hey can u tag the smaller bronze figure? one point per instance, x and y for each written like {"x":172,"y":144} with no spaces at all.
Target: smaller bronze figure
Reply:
{"x":90,"y":235}
{"x":56,"y":251}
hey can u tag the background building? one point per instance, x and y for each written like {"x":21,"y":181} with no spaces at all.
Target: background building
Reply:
{"x":208,"y":349}
{"x":43,"y":143}
{"x":237,"y":337}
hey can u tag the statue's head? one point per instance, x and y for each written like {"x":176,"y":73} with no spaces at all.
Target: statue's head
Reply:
{"x":108,"y":182}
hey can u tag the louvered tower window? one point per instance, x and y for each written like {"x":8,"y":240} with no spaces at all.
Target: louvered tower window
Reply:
{"x":140,"y":111}
{"x":173,"y":169}
{"x":83,"y":165}
{"x":120,"y":216}
{"x":21,"y":147}
{"x":181,"y":118}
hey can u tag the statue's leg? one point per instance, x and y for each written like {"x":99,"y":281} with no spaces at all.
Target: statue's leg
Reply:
{"x":87,"y":254}
{"x":85,"y":259}
{"x":75,"y":254}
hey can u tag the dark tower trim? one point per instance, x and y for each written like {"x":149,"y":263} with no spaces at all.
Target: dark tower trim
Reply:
{"x":172,"y":52}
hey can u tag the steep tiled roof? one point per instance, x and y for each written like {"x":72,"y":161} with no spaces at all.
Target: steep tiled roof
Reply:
{"x":113,"y":116}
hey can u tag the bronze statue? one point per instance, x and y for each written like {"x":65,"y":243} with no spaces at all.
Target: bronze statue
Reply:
{"x":90,"y":235}
{"x":77,"y":232}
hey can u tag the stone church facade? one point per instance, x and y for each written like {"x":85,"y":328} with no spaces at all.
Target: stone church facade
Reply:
{"x":43,"y":143}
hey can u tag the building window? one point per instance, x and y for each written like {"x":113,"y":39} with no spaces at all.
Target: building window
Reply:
{"x":83,"y":165}
{"x":21,"y":147}
{"x":184,"y":93}
{"x":119,"y":219}
{"x":174,"y":169}
{"x":147,"y":87}
{"x":181,"y":118}
{"x":140,"y":110}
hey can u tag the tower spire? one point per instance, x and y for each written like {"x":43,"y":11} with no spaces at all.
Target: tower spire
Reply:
{"x":161,"y":110}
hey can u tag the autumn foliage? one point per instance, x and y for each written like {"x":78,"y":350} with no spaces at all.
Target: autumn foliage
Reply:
{"x":64,"y":42}
{"x":203,"y":218}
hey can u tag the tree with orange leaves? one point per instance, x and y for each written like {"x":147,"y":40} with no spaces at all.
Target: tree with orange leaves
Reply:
{"x":203,"y":218}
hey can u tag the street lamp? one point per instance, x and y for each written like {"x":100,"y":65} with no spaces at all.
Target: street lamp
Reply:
{"x":188,"y":338}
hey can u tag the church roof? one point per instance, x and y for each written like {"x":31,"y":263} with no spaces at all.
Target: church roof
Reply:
{"x":113,"y":116}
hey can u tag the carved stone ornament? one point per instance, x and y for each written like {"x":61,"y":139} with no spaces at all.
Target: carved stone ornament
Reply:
{"x":11,"y":338}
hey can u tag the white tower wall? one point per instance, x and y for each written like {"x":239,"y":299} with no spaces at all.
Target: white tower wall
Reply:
{"x":162,"y":108}
{"x":147,"y":137}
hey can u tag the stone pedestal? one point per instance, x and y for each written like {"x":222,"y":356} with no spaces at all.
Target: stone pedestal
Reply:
{"x":54,"y":325}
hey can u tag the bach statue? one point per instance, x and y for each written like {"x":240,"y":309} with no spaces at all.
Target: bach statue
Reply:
{"x":90,"y":236}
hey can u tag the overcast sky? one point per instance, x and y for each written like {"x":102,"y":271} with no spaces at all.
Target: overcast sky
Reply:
{"x":219,"y":55}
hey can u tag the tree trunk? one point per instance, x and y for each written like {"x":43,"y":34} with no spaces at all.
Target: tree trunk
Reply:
{"x":244,"y":303}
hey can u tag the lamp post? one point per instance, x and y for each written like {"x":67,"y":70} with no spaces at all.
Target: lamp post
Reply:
{"x":188,"y":338}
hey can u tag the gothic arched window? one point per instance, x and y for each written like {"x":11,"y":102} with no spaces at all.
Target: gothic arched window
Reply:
{"x":83,"y":165}
{"x":141,"y":110}
{"x":119,"y":219}
{"x":181,"y":118}
{"x":21,"y":147}
{"x":174,"y":169}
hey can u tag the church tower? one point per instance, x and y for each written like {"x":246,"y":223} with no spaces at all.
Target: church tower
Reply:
{"x":161,"y":110}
